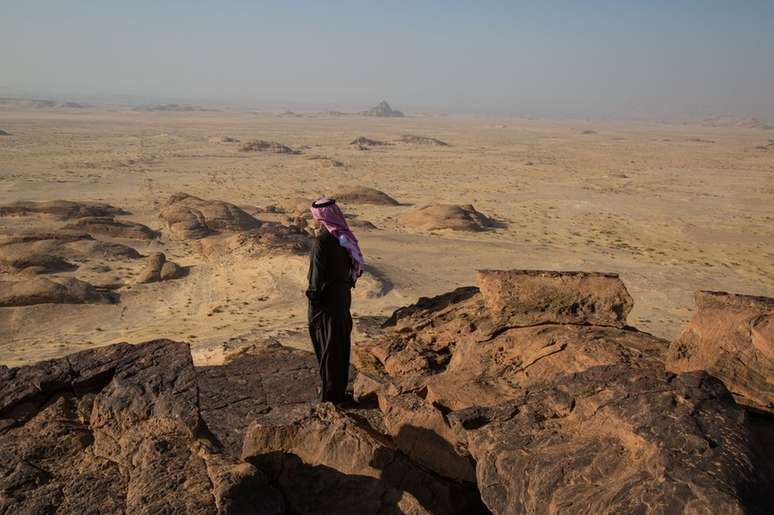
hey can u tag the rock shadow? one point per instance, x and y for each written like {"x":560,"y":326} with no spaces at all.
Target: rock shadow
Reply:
{"x":320,"y":489}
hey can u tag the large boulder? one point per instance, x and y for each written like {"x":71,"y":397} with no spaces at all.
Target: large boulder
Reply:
{"x":188,"y":217}
{"x":158,"y":269}
{"x":447,"y":216}
{"x":326,"y":461}
{"x":530,"y":297}
{"x":40,"y":290}
{"x":112,"y":228}
{"x":61,"y":209}
{"x":365,"y":195}
{"x":731,"y":337}
{"x":117,"y":430}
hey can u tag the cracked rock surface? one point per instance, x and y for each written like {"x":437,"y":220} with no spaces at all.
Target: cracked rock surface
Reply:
{"x":533,"y":384}
{"x":482,"y":400}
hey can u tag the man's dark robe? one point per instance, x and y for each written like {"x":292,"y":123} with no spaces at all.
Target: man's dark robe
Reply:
{"x":330,"y":323}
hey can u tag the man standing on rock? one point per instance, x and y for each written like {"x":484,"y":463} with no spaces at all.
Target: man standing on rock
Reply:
{"x":335,"y":265}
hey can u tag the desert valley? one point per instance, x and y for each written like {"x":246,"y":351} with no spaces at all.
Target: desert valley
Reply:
{"x":179,"y":224}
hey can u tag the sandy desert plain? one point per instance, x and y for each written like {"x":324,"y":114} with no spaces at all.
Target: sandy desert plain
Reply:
{"x":673,"y":208}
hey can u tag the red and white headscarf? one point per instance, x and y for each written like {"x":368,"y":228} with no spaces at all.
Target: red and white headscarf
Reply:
{"x":330,"y":216}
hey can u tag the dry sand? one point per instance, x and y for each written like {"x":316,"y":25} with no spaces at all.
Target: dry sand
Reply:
{"x":672,"y":208}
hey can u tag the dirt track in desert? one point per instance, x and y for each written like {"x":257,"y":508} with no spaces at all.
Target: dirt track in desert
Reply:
{"x":672,"y":208}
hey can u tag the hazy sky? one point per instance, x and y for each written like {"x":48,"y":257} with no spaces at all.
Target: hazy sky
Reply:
{"x":675,"y":58}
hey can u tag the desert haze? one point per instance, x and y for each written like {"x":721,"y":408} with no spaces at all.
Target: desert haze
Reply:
{"x":673,"y":208}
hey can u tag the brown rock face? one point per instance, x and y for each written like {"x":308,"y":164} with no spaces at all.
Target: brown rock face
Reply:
{"x":117,"y":430}
{"x":62,"y":209}
{"x":447,"y":216}
{"x":259,"y":145}
{"x":557,"y":417}
{"x":615,"y":440}
{"x":346,"y":467}
{"x":253,"y":386}
{"x":528,"y":297}
{"x":732,"y":338}
{"x":39,"y":290}
{"x":112,"y":228}
{"x":365,"y":195}
{"x":189,"y":217}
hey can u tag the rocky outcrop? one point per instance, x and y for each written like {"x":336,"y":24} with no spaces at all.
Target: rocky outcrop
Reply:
{"x":383,"y":110}
{"x":531,"y":297}
{"x":61,"y":209}
{"x":268,"y":239}
{"x":615,"y":440}
{"x":4,"y":132}
{"x":731,"y":337}
{"x":112,"y":228}
{"x":365,"y":195}
{"x":362,"y":141}
{"x":51,"y":252}
{"x":482,"y":394}
{"x":40,"y":290}
{"x":190,"y":218}
{"x":159,"y":269}
{"x":447,"y":216}
{"x":555,"y":408}
{"x":412,"y":139}
{"x":259,"y":145}
{"x":14,"y":259}
{"x":117,"y":430}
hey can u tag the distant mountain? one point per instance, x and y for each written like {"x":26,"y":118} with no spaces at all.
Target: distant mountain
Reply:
{"x":383,"y":109}
{"x":174,"y":108}
{"x":732,"y":121}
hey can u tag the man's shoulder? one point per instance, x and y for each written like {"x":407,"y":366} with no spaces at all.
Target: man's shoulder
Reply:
{"x":325,"y":238}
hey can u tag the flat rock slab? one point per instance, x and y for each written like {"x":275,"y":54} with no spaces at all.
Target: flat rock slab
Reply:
{"x":731,"y":337}
{"x":517,"y":298}
{"x":252,"y":385}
